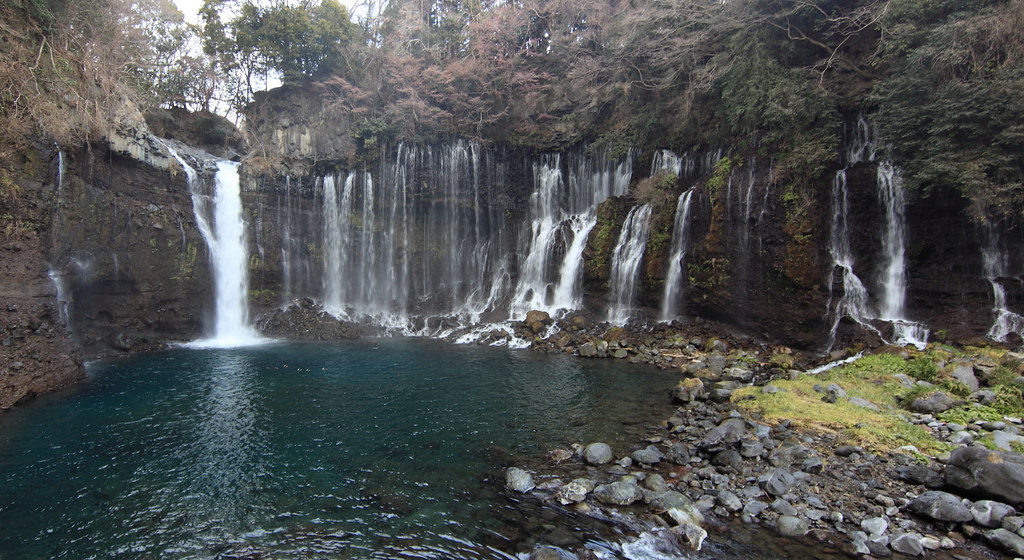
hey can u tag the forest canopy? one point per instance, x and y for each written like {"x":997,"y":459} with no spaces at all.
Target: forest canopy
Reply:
{"x":940,"y":78}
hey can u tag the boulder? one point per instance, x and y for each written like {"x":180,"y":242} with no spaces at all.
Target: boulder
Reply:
{"x":933,"y":403}
{"x":990,"y":514}
{"x":598,"y":454}
{"x":791,"y":526}
{"x":688,"y":390}
{"x":1012,"y":543}
{"x":656,"y":483}
{"x":678,"y":453}
{"x":965,"y":374}
{"x":621,"y":493}
{"x":941,"y":506}
{"x":994,"y":474}
{"x":518,"y":480}
{"x":910,"y":544}
{"x":648,"y":455}
{"x":777,"y":481}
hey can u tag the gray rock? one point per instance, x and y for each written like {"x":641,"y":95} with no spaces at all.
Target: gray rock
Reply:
{"x":961,"y":438}
{"x":648,"y":455}
{"x":777,"y":481}
{"x":675,"y":542}
{"x":518,"y":480}
{"x":598,"y":454}
{"x":576,"y":491}
{"x":716,"y":363}
{"x":1003,"y":440}
{"x":791,"y":526}
{"x":813,"y":465}
{"x":835,"y":389}
{"x":739,"y":374}
{"x":933,"y":403}
{"x":621,"y":493}
{"x":941,"y":506}
{"x":874,"y":525}
{"x":1007,"y":541}
{"x":656,"y":483}
{"x":782,"y":507}
{"x":904,"y":380}
{"x":729,"y":432}
{"x":754,"y":508}
{"x":988,"y":513}
{"x":1013,"y":523}
{"x":722,"y":391}
{"x":751,"y":448}
{"x":679,"y":454}
{"x":864,"y":403}
{"x":588,"y":350}
{"x":770,"y":389}
{"x":728,"y":458}
{"x":860,"y":543}
{"x":550,"y":553}
{"x":965,"y":374}
{"x":729,"y":501}
{"x":997,"y":474}
{"x":908,"y":543}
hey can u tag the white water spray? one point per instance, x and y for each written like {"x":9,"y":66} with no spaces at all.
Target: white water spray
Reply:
{"x":677,"y":260}
{"x":625,"y":264}
{"x":997,"y":268}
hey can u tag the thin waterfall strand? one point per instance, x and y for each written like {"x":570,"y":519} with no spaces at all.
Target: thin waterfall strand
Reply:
{"x":625,"y":264}
{"x":677,"y":260}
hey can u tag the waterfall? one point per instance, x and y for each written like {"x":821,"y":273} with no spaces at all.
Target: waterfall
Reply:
{"x":894,"y":247}
{"x":666,"y":161}
{"x":862,"y":146}
{"x":854,"y":301}
{"x":677,"y":260}
{"x":562,"y":214}
{"x":997,"y":267}
{"x":63,"y":297}
{"x":625,"y":264}
{"x":424,"y":238}
{"x":225,"y":238}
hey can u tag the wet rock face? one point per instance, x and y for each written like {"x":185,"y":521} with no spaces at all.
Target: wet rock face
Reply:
{"x":304,"y":319}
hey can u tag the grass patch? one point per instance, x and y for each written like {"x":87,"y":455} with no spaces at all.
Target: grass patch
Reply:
{"x":971,"y":413}
{"x":871,"y":378}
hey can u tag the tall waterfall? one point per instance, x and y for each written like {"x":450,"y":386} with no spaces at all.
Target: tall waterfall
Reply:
{"x":625,"y":264}
{"x":562,"y":214}
{"x":677,"y":260}
{"x":225,"y":238}
{"x":997,"y":268}
{"x":894,"y":248}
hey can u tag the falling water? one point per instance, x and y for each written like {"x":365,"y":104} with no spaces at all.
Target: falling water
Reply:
{"x":853,"y":302}
{"x":63,"y":297}
{"x":677,"y":260}
{"x":425,"y":239}
{"x":625,"y":264}
{"x":666,"y":161}
{"x":996,"y":263}
{"x":562,"y":216}
{"x":229,"y":259}
{"x":894,"y":272}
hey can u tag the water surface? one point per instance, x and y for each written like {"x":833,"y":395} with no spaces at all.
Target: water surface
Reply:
{"x":366,"y":449}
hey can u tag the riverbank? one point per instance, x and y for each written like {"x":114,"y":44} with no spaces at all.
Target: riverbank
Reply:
{"x":902,"y":452}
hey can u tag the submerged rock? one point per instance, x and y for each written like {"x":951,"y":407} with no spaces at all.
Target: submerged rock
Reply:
{"x":621,"y":493}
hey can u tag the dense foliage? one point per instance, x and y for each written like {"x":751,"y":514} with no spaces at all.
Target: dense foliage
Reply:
{"x":778,"y":78}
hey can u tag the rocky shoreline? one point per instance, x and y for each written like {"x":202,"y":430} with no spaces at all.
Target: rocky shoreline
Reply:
{"x":712,"y":462}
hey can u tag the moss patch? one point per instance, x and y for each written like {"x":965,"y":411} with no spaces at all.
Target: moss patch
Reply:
{"x":871,"y":378}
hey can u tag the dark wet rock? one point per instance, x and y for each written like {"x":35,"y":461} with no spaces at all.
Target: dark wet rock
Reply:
{"x":782,"y":507}
{"x":598,"y":454}
{"x":621,"y":493}
{"x":518,"y":480}
{"x":588,"y":350}
{"x":997,"y":475}
{"x":678,"y":453}
{"x":723,"y":390}
{"x":727,"y":458}
{"x":847,"y":450}
{"x":729,"y":432}
{"x":304,"y":319}
{"x":791,"y":526}
{"x":751,"y":448}
{"x":933,"y":403}
{"x":941,"y":506}
{"x":988,"y":513}
{"x":812,"y":464}
{"x":648,"y":455}
{"x":1005,"y":540}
